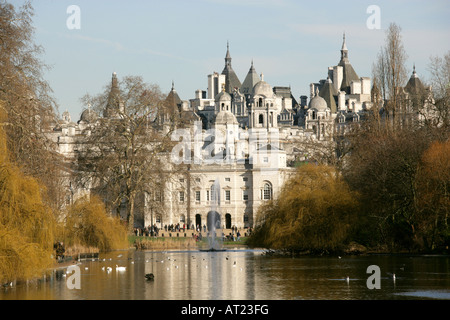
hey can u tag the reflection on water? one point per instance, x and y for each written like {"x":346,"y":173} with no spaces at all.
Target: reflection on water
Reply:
{"x":244,"y":275}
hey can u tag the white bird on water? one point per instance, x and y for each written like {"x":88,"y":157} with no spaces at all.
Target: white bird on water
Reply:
{"x":120,"y":268}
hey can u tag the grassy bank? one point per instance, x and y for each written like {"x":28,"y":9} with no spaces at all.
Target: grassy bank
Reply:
{"x":171,"y":243}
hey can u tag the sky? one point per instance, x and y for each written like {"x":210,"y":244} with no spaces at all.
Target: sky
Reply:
{"x":291,"y":42}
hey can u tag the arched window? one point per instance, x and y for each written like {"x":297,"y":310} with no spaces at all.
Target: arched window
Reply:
{"x":267,"y":191}
{"x":261,"y":119}
{"x":261,"y":102}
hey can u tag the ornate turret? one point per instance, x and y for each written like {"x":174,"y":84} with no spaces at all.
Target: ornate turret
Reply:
{"x":113,"y":105}
{"x":231,"y":79}
{"x":349,"y":73}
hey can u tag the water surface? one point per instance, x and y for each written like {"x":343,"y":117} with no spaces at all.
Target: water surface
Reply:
{"x":243,"y":275}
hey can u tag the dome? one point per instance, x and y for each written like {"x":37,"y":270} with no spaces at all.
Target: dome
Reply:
{"x":66,"y":116}
{"x":223,"y":96}
{"x":318,"y":103}
{"x":225,"y":117}
{"x":262,"y":88}
{"x":88,"y":116}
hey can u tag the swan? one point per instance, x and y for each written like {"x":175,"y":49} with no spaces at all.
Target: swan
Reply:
{"x":120,"y":268}
{"x":108,"y":269}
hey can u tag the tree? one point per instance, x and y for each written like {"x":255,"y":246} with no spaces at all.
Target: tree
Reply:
{"x":433,"y":200}
{"x":26,"y":99}
{"x":440,"y":81}
{"x":315,"y":211}
{"x":87,"y":223}
{"x":26,"y":222}
{"x":389,"y":72}
{"x":384,"y":167}
{"x":122,"y":154}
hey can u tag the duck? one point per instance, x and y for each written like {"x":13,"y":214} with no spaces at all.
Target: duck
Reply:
{"x":150,"y":276}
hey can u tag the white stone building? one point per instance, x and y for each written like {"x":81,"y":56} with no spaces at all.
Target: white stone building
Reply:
{"x":258,"y":132}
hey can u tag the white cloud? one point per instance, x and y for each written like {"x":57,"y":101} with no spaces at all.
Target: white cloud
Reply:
{"x":114,"y":44}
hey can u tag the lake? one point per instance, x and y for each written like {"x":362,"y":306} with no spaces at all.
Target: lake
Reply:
{"x":242,"y":274}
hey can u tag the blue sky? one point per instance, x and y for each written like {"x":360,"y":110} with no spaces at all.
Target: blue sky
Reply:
{"x":291,"y":42}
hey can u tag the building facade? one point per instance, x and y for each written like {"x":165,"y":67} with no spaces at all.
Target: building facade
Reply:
{"x":259,"y":131}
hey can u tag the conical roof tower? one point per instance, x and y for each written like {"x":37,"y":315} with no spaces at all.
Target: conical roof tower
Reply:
{"x":251,"y":79}
{"x":349,"y":73}
{"x":231,"y":79}
{"x":113,"y":104}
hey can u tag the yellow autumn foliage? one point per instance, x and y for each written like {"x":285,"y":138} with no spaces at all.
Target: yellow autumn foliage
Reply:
{"x":88,"y":224}
{"x":313,"y":212}
{"x":26,"y":223}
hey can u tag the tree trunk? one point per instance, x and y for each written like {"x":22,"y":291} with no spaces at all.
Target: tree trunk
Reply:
{"x":130,"y":216}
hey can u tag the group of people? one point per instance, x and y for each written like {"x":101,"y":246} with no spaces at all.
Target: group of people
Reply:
{"x":59,"y":250}
{"x":145,"y":232}
{"x":153,"y":231}
{"x":175,"y":228}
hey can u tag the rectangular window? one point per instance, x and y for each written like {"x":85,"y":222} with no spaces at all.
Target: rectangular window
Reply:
{"x":197,"y":196}
{"x":207,"y":195}
{"x":227,"y":195}
{"x":181,"y":194}
{"x":227,"y":179}
{"x":245,"y":179}
{"x":245,"y":195}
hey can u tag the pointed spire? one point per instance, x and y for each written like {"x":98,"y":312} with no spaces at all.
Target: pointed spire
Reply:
{"x":250,"y":80}
{"x":414,"y":74}
{"x":344,"y":51}
{"x":173,"y":85}
{"x":231,"y":79}
{"x":344,"y":45}
{"x":228,"y":56}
